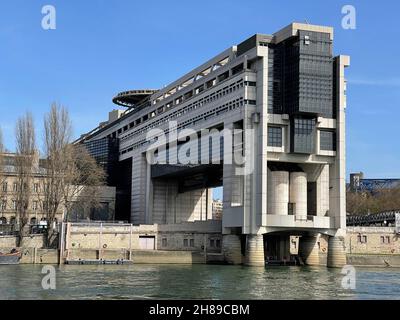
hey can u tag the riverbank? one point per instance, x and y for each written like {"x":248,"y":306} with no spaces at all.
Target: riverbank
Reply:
{"x":51,"y":256}
{"x":374,"y":260}
{"x":190,"y":243}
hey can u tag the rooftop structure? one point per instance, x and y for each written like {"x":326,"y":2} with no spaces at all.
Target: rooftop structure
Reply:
{"x":132,"y":98}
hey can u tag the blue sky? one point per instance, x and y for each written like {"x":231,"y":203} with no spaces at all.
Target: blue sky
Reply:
{"x":102,"y":47}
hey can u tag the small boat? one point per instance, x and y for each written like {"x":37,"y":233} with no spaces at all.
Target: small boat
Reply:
{"x":10,"y":258}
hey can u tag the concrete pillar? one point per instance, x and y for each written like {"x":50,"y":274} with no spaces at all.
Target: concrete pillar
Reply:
{"x":159,"y":214}
{"x":209,"y":201}
{"x":139,"y":189}
{"x":255,"y":250}
{"x":336,"y":252}
{"x":231,"y":249}
{"x":298,"y":194}
{"x":278,"y":192}
{"x":323,"y":191}
{"x":309,"y":251}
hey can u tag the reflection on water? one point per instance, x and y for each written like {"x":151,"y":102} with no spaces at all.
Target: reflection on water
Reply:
{"x":196,"y":282}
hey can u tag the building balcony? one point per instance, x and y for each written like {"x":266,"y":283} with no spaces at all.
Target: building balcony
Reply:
{"x":291,"y":221}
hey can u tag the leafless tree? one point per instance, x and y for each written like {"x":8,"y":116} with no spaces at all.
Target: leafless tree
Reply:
{"x":2,"y":172}
{"x":24,"y":169}
{"x":72,"y":175}
{"x":359,"y":203}
{"x":84,"y":178}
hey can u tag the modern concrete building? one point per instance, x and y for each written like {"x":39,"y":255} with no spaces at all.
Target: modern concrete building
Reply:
{"x":280,"y":99}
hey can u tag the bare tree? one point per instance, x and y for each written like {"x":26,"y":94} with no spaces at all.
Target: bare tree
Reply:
{"x":24,"y":170}
{"x":359,"y":203}
{"x":72,"y":175}
{"x":2,"y":172}
{"x":84,"y":179}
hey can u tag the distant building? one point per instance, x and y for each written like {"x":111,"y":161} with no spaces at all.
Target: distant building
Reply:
{"x":359,"y":184}
{"x":9,"y":188}
{"x":217,"y":207}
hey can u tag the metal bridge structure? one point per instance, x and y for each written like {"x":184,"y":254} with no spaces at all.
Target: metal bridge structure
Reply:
{"x":387,"y":218}
{"x":375,"y":185}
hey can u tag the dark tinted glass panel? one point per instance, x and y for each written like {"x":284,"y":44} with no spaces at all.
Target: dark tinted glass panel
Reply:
{"x":274,"y":136}
{"x":328,"y":140}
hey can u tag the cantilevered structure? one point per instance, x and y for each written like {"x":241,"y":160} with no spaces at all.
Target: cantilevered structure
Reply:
{"x":288,"y":93}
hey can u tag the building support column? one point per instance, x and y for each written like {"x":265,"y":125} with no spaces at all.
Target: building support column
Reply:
{"x":140,"y":189}
{"x":231,"y":248}
{"x":255,"y":250}
{"x":336,"y":252}
{"x":309,"y":251}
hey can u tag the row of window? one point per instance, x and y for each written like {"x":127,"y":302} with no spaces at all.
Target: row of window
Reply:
{"x":189,"y":243}
{"x":14,"y":203}
{"x":327,"y":138}
{"x":189,"y":108}
{"x":184,"y":97}
{"x":364,"y":239}
{"x":33,"y":221}
{"x":199,"y":76}
{"x":231,"y":105}
{"x":16,"y":187}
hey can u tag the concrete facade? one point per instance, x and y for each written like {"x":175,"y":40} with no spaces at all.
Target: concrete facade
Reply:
{"x":191,"y":237}
{"x":372,"y":240}
{"x":292,"y":181}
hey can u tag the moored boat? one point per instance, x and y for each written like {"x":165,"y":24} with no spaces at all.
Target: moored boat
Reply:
{"x":10,"y":258}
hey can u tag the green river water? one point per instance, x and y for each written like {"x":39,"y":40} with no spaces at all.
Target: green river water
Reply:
{"x":196,"y":282}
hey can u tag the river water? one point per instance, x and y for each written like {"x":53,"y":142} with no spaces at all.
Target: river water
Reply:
{"x":196,"y":282}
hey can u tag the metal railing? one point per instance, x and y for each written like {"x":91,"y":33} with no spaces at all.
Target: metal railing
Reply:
{"x":8,"y":229}
{"x":13,"y":229}
{"x":372,"y":218}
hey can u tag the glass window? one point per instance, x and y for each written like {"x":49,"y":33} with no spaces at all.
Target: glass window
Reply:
{"x":192,"y":243}
{"x":274,"y":136}
{"x":327,"y":140}
{"x":212,"y":243}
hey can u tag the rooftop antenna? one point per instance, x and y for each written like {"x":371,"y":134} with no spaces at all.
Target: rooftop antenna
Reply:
{"x":306,"y":21}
